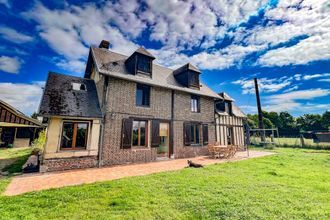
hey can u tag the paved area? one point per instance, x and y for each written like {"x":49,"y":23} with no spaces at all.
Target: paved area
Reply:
{"x":35,"y":182}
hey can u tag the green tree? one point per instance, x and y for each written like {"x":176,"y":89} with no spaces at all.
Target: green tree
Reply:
{"x":325,"y":121}
{"x":34,"y":115}
{"x":310,"y":122}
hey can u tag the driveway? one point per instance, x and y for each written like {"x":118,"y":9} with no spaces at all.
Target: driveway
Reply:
{"x":36,"y":182}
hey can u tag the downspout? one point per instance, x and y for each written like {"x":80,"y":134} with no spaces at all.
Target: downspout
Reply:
{"x":101,"y":142}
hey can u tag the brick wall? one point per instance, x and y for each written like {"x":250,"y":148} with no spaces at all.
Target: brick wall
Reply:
{"x":59,"y":164}
{"x":182,"y":113}
{"x":121,"y":104}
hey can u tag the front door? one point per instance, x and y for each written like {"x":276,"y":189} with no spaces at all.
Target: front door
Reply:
{"x":162,"y":150}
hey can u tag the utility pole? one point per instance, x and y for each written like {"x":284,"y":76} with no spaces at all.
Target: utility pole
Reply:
{"x":261,"y":123}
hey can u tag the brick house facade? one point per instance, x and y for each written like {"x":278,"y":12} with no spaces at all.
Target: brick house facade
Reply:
{"x":141,"y":112}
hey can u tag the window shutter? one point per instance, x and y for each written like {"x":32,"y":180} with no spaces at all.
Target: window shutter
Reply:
{"x":186,"y":134}
{"x":127,"y":133}
{"x":205,"y":135}
{"x":155,"y":139}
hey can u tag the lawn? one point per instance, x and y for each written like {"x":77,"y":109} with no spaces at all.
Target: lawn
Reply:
{"x":12,"y":159}
{"x":293,"y":184}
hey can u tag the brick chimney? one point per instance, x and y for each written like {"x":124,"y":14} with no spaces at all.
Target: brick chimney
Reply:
{"x":104,"y":44}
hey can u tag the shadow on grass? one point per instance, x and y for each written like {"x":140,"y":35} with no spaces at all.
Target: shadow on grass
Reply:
{"x":15,"y":166}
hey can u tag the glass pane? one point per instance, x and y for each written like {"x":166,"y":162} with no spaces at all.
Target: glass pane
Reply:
{"x":197,"y":133}
{"x":192,"y":134}
{"x":81,"y":135}
{"x":67,"y":135}
{"x":135,"y":138}
{"x":142,"y":133}
{"x":139,"y":96}
{"x":143,"y":64}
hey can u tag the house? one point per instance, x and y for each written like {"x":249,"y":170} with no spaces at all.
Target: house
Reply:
{"x":127,"y":109}
{"x":16,"y":129}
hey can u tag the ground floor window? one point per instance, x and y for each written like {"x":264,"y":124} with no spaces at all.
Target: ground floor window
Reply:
{"x":74,"y":135}
{"x":230,"y":136}
{"x":195,"y":134}
{"x":139,"y":133}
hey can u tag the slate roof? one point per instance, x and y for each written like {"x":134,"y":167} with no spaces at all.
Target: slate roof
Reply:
{"x":113,"y":64}
{"x":59,"y":99}
{"x":225,"y":96}
{"x":185,"y":67}
{"x":143,"y":51}
{"x":236,"y":112}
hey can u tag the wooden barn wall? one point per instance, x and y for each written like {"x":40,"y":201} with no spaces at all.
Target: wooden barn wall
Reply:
{"x":224,"y":121}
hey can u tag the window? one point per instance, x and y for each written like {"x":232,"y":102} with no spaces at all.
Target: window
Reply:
{"x":79,"y":87}
{"x":192,"y":134}
{"x":139,"y":133}
{"x":74,"y":135}
{"x":142,"y":95}
{"x":194,"y":104}
{"x":224,"y":106}
{"x":229,"y":136}
{"x":144,"y":64}
{"x":194,"y":79}
{"x":195,"y":134}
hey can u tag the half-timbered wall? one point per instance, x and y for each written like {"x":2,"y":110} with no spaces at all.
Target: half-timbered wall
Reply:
{"x":223,"y":122}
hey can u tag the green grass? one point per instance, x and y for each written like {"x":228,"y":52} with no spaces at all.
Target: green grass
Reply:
{"x":293,"y":184}
{"x":12,"y":159}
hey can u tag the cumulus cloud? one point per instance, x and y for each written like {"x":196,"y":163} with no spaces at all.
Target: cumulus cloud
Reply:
{"x":266,"y":85}
{"x":14,"y":36}
{"x":309,"y":18}
{"x":5,"y":2}
{"x":10,"y":64}
{"x":290,"y":100}
{"x":25,"y":97}
{"x":314,"y":76}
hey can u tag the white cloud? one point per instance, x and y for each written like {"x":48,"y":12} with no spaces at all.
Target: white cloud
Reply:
{"x":5,"y":2}
{"x":24,"y":97}
{"x":266,"y":85}
{"x":14,"y":36}
{"x":314,"y":76}
{"x":309,"y":18}
{"x":324,"y":80}
{"x":75,"y":66}
{"x":291,"y":101}
{"x":291,"y":88}
{"x":10,"y":64}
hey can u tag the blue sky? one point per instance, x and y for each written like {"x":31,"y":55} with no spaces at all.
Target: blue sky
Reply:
{"x":285,"y":44}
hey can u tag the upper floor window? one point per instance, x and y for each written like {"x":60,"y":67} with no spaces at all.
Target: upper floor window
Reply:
{"x":224,"y":106}
{"x":144,"y":64}
{"x":194,"y":79}
{"x":142,"y":95}
{"x":194,"y":103}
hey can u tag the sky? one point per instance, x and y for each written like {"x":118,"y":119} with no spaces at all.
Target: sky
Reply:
{"x":284,"y":43}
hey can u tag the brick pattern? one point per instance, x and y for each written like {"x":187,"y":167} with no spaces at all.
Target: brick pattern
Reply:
{"x":60,"y":164}
{"x":182,"y":113}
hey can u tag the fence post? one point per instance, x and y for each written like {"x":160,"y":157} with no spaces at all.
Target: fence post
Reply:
{"x":302,"y":141}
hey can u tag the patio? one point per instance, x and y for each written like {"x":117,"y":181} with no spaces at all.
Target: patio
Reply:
{"x":41,"y":181}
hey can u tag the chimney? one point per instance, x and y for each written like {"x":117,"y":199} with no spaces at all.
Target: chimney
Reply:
{"x":104,"y":44}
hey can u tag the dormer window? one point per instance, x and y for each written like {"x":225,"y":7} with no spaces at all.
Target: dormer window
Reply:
{"x":140,"y":62}
{"x":224,"y":106}
{"x":143,"y":64}
{"x":79,"y":87}
{"x":188,"y":76}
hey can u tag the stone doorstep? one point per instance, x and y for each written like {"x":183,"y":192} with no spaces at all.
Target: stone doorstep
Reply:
{"x":57,"y":179}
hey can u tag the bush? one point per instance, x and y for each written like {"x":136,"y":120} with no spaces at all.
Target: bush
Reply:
{"x":39,"y":143}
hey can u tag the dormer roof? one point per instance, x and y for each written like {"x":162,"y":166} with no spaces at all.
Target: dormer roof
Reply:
{"x":186,"y":67}
{"x":143,"y":51}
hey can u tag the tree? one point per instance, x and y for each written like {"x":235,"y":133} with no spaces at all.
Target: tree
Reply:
{"x":325,"y":121}
{"x":34,"y":115}
{"x":310,"y":122}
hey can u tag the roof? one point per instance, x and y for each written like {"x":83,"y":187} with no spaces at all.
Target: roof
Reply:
{"x":7,"y":124}
{"x":237,"y":111}
{"x":186,"y":67}
{"x":59,"y":99}
{"x":19,"y":113}
{"x":143,"y":51}
{"x":225,"y":96}
{"x":113,"y":64}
